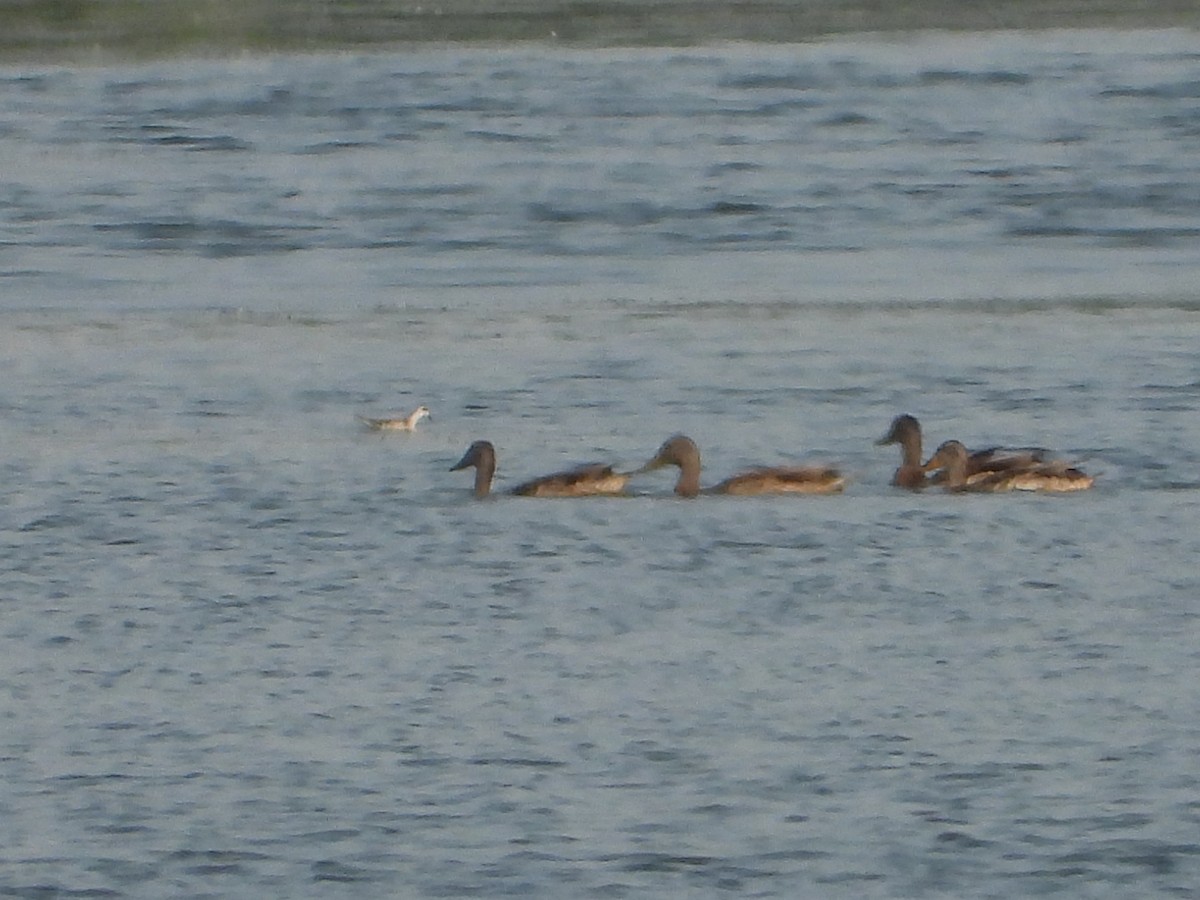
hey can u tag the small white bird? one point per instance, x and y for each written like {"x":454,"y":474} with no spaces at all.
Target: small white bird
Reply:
{"x":408,"y":423}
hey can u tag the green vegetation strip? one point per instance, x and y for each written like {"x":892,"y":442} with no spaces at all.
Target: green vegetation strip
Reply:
{"x":83,"y":29}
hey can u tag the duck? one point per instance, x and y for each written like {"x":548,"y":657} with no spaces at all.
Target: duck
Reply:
{"x":912,"y":474}
{"x":906,"y":431}
{"x":1055,"y":476}
{"x":408,"y":423}
{"x":682,"y":451}
{"x":591,"y":480}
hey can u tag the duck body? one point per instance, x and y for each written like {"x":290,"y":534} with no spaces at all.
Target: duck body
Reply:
{"x":591,"y":480}
{"x":913,"y":475}
{"x":1054,"y":476}
{"x":407,"y":423}
{"x":682,"y":452}
{"x":782,"y":480}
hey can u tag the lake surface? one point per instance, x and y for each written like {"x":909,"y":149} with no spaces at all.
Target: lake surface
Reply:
{"x":248,"y":649}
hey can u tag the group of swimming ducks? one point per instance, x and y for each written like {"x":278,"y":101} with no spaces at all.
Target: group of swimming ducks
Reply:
{"x":952,"y":467}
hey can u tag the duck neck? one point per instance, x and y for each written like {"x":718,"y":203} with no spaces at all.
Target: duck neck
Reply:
{"x":910,"y":448}
{"x":485,"y":469}
{"x":688,"y":484}
{"x":956,"y":473}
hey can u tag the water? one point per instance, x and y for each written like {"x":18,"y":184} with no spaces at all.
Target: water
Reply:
{"x":249,"y":649}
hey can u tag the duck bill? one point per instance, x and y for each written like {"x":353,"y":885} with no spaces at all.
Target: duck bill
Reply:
{"x":933,"y":465}
{"x":885,"y":440}
{"x":651,"y":466}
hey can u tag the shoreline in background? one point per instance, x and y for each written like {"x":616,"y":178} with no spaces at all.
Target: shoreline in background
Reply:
{"x":81,"y":31}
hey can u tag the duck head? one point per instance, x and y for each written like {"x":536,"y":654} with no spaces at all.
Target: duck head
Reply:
{"x":951,"y":456}
{"x":904,"y":430}
{"x":481,"y":455}
{"x":680,"y":451}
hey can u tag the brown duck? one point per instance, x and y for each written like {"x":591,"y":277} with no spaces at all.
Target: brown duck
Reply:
{"x":592,"y":480}
{"x":682,"y":451}
{"x":1055,"y":476}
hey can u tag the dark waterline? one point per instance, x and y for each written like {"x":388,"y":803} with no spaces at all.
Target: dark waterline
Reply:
{"x":78,"y":31}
